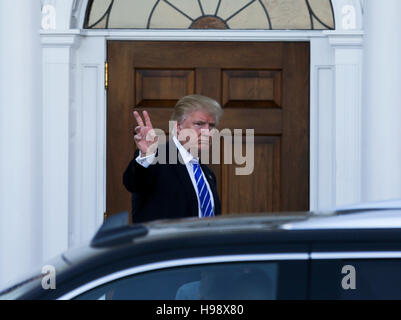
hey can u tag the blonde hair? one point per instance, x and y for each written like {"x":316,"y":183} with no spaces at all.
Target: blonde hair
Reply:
{"x":194,"y":102}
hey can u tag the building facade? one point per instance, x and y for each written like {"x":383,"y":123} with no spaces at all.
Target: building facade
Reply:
{"x":53,"y":107}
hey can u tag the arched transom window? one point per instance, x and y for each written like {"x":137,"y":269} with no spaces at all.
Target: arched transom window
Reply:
{"x":210,"y":14}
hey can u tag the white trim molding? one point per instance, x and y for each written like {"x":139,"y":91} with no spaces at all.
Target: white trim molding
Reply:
{"x":58,"y":106}
{"x":348,"y":60}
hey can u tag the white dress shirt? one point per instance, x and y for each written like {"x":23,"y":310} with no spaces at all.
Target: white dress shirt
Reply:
{"x":188,"y":159}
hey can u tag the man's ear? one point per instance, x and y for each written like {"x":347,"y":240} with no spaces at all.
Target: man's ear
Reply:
{"x":173,"y":128}
{"x":178,"y":128}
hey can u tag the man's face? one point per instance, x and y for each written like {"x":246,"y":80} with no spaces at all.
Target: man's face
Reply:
{"x":195,"y":131}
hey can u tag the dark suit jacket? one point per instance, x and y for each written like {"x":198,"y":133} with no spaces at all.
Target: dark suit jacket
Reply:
{"x":164,"y":191}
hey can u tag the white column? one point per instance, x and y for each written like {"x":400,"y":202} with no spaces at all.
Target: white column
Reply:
{"x":348,"y":57}
{"x":59,"y":125}
{"x":20,"y":139}
{"x":57,"y":128}
{"x":382,"y":101}
{"x":88,"y":147}
{"x":322,"y":126}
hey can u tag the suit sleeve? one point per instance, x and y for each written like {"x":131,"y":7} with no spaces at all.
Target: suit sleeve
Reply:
{"x":138,"y":179}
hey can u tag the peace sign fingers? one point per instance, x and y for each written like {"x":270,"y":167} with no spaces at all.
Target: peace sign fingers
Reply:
{"x":145,"y":136}
{"x":138,"y":119}
{"x":147,"y":119}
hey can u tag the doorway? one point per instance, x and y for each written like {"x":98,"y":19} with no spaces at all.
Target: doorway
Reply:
{"x":261,"y":86}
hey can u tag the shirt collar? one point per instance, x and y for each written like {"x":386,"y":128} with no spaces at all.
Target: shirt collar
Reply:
{"x":186,"y":156}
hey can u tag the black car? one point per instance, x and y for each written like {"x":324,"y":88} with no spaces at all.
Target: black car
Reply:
{"x":353,"y":254}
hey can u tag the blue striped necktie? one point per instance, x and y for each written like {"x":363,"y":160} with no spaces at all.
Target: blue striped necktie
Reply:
{"x":203,"y":192}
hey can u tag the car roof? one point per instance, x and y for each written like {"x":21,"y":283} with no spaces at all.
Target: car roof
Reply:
{"x":277,"y":227}
{"x":374,"y":214}
{"x":352,"y":218}
{"x":232,"y":222}
{"x":266,"y":230}
{"x":379,"y":204}
{"x":172,"y":230}
{"x":342,"y":219}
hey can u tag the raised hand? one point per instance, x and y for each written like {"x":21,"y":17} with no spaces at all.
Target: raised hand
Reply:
{"x":145,"y":137}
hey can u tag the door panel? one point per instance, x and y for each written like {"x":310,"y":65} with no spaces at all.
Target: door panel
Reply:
{"x":247,"y":193}
{"x":152,"y":87}
{"x":261,"y":86}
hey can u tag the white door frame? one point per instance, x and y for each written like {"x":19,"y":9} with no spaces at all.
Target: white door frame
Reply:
{"x":74,"y":137}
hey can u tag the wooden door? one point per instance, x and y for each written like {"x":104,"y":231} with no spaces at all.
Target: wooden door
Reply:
{"x":261,"y":86}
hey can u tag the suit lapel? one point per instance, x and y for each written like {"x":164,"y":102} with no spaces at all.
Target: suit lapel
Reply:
{"x":182,"y":173}
{"x":213,"y":187}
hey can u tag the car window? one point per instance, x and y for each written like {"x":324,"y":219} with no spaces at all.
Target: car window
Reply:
{"x":356,"y":279}
{"x":223,"y":281}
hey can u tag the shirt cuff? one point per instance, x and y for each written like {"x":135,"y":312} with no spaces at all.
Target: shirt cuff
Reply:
{"x":145,"y":161}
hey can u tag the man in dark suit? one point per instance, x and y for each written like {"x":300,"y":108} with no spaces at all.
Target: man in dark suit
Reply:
{"x":176,"y":189}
